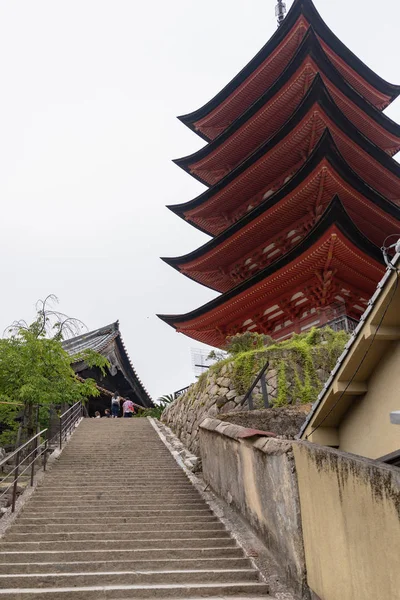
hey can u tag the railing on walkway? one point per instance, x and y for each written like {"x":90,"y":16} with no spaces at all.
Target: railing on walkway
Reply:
{"x":25,"y":459}
{"x":249,"y":395}
{"x":181,"y":392}
{"x":68,"y":421}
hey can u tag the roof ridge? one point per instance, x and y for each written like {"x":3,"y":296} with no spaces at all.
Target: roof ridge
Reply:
{"x":112,"y":327}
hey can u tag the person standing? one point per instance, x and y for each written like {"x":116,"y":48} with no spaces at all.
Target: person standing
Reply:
{"x":128,"y":409}
{"x":115,"y":405}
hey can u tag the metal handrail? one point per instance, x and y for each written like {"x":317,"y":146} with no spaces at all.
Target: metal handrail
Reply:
{"x":8,"y":458}
{"x":73,"y":415}
{"x":67,"y":423}
{"x":18,"y":462}
{"x":249,"y":393}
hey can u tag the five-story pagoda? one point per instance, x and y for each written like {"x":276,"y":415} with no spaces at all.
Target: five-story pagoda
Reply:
{"x":303,"y":188}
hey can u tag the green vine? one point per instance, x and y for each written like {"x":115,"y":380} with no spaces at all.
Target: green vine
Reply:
{"x":295,"y":360}
{"x":283,"y":388}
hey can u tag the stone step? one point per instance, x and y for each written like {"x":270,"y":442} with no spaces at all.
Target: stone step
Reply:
{"x":132,"y":527}
{"x":61,"y":499}
{"x":173,"y":542}
{"x":130,"y":565}
{"x":73,"y":489}
{"x":104,"y":507}
{"x":135,"y":577}
{"x":129,"y":514}
{"x":97,"y":529}
{"x":163,"y":553}
{"x":43,"y":536}
{"x":85,"y":483}
{"x":198,"y":591}
{"x":93,"y":520}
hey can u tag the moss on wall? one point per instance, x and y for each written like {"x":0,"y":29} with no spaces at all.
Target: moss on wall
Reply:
{"x":297,"y":371}
{"x":301,"y":363}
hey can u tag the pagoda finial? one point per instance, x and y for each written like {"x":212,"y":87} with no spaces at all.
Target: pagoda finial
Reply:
{"x":280,"y":11}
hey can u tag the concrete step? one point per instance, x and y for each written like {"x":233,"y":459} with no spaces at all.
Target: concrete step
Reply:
{"x":163,"y":553}
{"x":129,"y":514}
{"x":43,"y":536}
{"x":117,"y":544}
{"x":104,"y":507}
{"x":130,"y":565}
{"x":45,"y":498}
{"x":97,"y":529}
{"x":132,"y":527}
{"x":116,"y":489}
{"x":136,"y":577}
{"x":196,"y":591}
{"x":111,"y":520}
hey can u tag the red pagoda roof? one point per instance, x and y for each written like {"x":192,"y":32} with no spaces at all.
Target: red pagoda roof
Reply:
{"x":276,"y":161}
{"x":260,"y":73}
{"x":334,"y":262}
{"x":283,"y":219}
{"x":270,"y":112}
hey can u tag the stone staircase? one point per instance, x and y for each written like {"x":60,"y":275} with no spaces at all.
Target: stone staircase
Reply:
{"x":116,"y":517}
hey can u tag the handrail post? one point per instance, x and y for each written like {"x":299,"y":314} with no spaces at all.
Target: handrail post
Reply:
{"x":61,"y":432}
{"x":14,"y":496}
{"x":34,"y":460}
{"x":264,"y":391}
{"x":249,"y":397}
{"x":250,"y":400}
{"x":46,"y":445}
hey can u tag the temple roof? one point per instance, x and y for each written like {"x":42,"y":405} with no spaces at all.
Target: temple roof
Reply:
{"x":334,"y":243}
{"x":283,"y":154}
{"x":96,"y":340}
{"x":108,"y":342}
{"x":289,"y":210}
{"x":260,"y":72}
{"x":265,"y":116}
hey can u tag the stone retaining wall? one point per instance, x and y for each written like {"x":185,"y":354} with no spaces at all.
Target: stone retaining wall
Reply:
{"x":215,"y":394}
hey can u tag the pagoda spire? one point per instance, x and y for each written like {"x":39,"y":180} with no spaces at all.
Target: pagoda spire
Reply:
{"x":280,"y":11}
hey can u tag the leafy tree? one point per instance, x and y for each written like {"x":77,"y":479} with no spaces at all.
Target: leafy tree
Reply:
{"x":35,"y":370}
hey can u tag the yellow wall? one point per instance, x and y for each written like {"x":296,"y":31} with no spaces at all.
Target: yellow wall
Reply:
{"x":350,"y":510}
{"x":366,"y":429}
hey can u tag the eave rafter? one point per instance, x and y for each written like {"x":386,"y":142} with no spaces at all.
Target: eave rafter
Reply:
{"x":225,"y":261}
{"x":264,"y":118}
{"x":263,"y":170}
{"x":266,"y":66}
{"x":334,"y":245}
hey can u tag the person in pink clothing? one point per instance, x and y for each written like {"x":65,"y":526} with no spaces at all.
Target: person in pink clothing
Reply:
{"x":128,"y":409}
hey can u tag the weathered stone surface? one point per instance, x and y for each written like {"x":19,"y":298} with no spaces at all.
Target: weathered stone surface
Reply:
{"x":223,"y":391}
{"x":217,"y":396}
{"x":228,"y":407}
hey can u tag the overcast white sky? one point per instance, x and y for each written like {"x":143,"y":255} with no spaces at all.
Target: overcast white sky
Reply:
{"x":89,"y":93}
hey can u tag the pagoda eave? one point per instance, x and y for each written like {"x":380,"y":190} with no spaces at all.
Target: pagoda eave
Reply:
{"x":334,"y":246}
{"x":381,"y":171}
{"x":302,"y":15}
{"x":262,"y":120}
{"x":288,"y":214}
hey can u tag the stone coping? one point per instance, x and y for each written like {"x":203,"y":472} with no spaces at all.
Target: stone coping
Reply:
{"x":264,"y":441}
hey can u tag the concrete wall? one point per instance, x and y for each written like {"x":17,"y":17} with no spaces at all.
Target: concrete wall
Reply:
{"x":366,"y":429}
{"x":346,"y":509}
{"x":256,"y":476}
{"x":350,"y":509}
